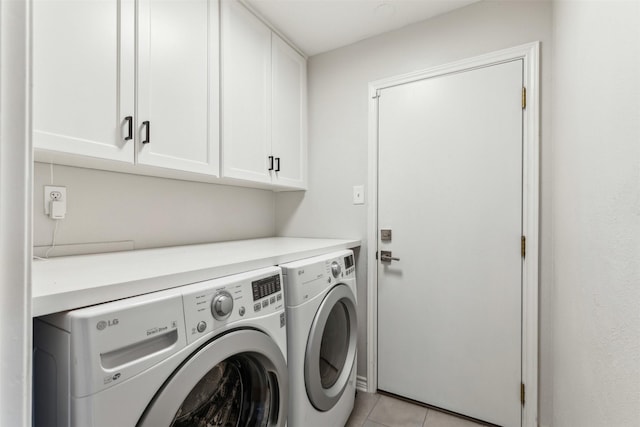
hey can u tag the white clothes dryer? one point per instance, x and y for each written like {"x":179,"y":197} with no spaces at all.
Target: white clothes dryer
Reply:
{"x":209,"y":353}
{"x":322,"y":338}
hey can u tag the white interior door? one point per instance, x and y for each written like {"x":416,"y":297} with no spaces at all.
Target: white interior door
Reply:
{"x":450,"y":189}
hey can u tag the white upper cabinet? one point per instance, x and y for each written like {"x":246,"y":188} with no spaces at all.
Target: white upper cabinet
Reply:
{"x":246,"y":94}
{"x":135,"y":86}
{"x":83,"y":77}
{"x":84,"y":82}
{"x":289,"y":114}
{"x":263,"y":103}
{"x":178,"y":85}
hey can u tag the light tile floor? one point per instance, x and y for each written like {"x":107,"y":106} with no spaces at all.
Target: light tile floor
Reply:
{"x":375,"y":410}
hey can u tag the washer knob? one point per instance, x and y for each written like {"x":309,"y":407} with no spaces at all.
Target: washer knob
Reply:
{"x":335,"y":269}
{"x":201,"y":326}
{"x":222,"y":305}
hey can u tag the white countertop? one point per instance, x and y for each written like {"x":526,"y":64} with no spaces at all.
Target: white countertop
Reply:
{"x":65,"y":283}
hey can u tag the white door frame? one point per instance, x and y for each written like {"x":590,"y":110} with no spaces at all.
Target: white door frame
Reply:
{"x":529,"y":53}
{"x":16,"y":171}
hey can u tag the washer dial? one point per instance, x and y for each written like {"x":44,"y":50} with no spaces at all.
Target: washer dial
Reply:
{"x":222,"y":305}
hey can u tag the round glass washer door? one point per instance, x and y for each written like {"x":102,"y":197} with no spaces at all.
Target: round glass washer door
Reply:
{"x":331,"y":348}
{"x":237,"y":380}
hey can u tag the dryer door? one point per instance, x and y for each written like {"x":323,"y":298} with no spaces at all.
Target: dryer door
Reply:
{"x":331,"y":348}
{"x":238,"y":379}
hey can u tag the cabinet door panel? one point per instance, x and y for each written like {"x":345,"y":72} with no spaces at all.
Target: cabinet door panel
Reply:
{"x":246,"y":97}
{"x":289,"y":114}
{"x":83,"y":77}
{"x":178,"y":84}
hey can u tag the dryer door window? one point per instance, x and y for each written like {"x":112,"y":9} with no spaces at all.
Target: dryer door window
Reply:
{"x":331,"y":348}
{"x":334,"y":345}
{"x":228,"y":382}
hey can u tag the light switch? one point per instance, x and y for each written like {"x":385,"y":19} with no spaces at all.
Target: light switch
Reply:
{"x":358,"y":194}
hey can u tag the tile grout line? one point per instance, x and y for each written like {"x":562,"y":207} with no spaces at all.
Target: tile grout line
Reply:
{"x":368,"y":413}
{"x":424,"y":422}
{"x":372,"y":408}
{"x":426,"y":417}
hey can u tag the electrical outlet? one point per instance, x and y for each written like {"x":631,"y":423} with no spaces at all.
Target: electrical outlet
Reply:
{"x":54,"y":194}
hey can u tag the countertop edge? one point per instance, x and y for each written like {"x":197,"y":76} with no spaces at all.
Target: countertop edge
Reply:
{"x":47,"y":303}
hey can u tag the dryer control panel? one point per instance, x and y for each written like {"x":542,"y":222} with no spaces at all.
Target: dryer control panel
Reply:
{"x":310,"y":277}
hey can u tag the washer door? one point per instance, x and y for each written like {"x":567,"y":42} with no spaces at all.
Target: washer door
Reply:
{"x":237,"y":380}
{"x":331,"y":348}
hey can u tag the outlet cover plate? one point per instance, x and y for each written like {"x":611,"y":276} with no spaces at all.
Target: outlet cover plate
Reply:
{"x":358,"y":194}
{"x":48,"y":189}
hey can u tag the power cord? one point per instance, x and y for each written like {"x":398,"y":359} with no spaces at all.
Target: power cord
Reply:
{"x":55,"y":228}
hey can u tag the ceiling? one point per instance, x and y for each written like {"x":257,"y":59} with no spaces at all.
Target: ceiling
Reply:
{"x":317,"y":26}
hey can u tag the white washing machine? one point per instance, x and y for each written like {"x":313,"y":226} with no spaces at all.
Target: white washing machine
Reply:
{"x":209,"y":353}
{"x":322,"y":338}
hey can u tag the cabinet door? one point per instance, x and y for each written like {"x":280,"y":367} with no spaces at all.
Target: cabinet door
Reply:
{"x":83,"y":77}
{"x":246,"y":96}
{"x":178,"y":85}
{"x":289,"y":144}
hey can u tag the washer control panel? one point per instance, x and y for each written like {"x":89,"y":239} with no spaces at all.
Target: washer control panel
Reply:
{"x":214,"y":304}
{"x":267,"y":291}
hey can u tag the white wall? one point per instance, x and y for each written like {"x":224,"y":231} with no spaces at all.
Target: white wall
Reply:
{"x":150,"y":212}
{"x":596,"y":213}
{"x":338,"y":103}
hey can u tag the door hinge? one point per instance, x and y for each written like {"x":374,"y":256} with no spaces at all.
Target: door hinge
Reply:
{"x":376,"y":254}
{"x":523,"y":246}
{"x":524,"y":97}
{"x":377,"y":94}
{"x":522,"y":393}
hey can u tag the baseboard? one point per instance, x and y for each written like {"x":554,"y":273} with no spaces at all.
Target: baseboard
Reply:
{"x":361,"y":383}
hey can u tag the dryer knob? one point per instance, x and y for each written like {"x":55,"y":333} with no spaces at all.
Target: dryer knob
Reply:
{"x":335,"y":269}
{"x":222,"y":305}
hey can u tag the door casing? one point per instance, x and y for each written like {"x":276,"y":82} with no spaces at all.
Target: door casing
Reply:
{"x":529,"y":53}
